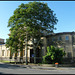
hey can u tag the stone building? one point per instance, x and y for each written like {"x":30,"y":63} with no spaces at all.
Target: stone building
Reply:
{"x":65,"y":40}
{"x":4,"y":52}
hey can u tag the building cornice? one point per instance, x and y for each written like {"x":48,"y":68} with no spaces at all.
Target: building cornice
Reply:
{"x":61,"y":33}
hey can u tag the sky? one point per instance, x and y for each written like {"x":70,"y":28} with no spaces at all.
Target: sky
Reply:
{"x":64,"y":10}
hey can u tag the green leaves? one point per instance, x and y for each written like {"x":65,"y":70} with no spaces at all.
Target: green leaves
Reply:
{"x":34,"y":14}
{"x":54,"y":55}
{"x":37,"y":17}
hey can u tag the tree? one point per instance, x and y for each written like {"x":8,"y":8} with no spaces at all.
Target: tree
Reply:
{"x":37,"y":17}
{"x":14,"y":43}
{"x":54,"y":55}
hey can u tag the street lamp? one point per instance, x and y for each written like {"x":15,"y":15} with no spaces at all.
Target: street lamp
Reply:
{"x":26,"y":47}
{"x":26,"y":51}
{"x":35,"y":40}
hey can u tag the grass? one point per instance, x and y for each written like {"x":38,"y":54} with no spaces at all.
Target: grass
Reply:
{"x":6,"y":61}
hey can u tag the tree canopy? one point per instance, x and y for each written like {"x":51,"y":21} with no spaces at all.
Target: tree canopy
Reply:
{"x":33,"y":18}
{"x":36,"y":16}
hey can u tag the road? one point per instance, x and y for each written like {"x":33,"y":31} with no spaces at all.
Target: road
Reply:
{"x":15,"y":69}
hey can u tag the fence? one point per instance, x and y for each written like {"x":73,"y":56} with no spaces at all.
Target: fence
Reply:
{"x":21,"y":59}
{"x":31,"y":59}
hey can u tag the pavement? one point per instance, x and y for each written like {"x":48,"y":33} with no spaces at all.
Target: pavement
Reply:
{"x":44,"y":67}
{"x":6,"y":68}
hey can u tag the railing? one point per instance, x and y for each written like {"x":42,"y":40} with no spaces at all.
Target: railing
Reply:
{"x":31,"y":59}
{"x":21,"y":59}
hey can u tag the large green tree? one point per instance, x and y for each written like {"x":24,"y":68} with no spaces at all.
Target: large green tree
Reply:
{"x":33,"y":18}
{"x":14,"y":43}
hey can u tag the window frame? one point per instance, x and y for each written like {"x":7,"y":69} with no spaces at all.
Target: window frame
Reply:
{"x":59,"y":38}
{"x":7,"y":52}
{"x":66,"y":37}
{"x":23,"y":52}
{"x":3,"y":51}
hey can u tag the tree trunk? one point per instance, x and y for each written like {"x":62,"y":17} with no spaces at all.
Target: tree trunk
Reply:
{"x":34,"y":55}
{"x":15,"y":58}
{"x":34,"y":48}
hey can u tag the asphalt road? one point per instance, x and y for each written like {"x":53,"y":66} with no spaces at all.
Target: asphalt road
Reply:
{"x":15,"y":69}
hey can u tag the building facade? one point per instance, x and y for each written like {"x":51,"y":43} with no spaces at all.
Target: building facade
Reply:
{"x":65,"y":40}
{"x":20,"y":56}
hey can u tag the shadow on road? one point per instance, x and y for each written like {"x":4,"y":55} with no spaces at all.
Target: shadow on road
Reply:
{"x":1,"y":73}
{"x":9,"y":66}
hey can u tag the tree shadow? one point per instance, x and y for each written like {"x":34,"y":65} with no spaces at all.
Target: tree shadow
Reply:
{"x":9,"y":66}
{"x":1,"y":73}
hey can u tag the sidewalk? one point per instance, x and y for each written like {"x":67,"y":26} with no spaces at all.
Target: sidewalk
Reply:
{"x":41,"y":67}
{"x":44,"y":67}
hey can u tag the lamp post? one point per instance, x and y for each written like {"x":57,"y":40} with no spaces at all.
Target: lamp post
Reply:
{"x":34,"y":51}
{"x":26,"y":50}
{"x":26,"y":47}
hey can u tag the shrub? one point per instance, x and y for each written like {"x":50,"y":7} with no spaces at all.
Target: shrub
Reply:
{"x":53,"y":55}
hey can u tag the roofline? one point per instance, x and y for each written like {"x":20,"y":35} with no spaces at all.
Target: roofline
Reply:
{"x":61,"y":33}
{"x":2,"y":38}
{"x":65,"y":33}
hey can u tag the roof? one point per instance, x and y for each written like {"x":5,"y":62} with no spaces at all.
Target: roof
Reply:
{"x":1,"y":38}
{"x":61,"y":33}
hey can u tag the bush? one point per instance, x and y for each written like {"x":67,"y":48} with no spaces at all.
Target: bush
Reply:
{"x":53,"y":55}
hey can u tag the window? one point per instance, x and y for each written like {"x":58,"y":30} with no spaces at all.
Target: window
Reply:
{"x":59,"y":38}
{"x":7,"y":52}
{"x":67,"y":38}
{"x":2,"y":52}
{"x":18,"y":53}
{"x":69,"y":54}
{"x":23,"y":52}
